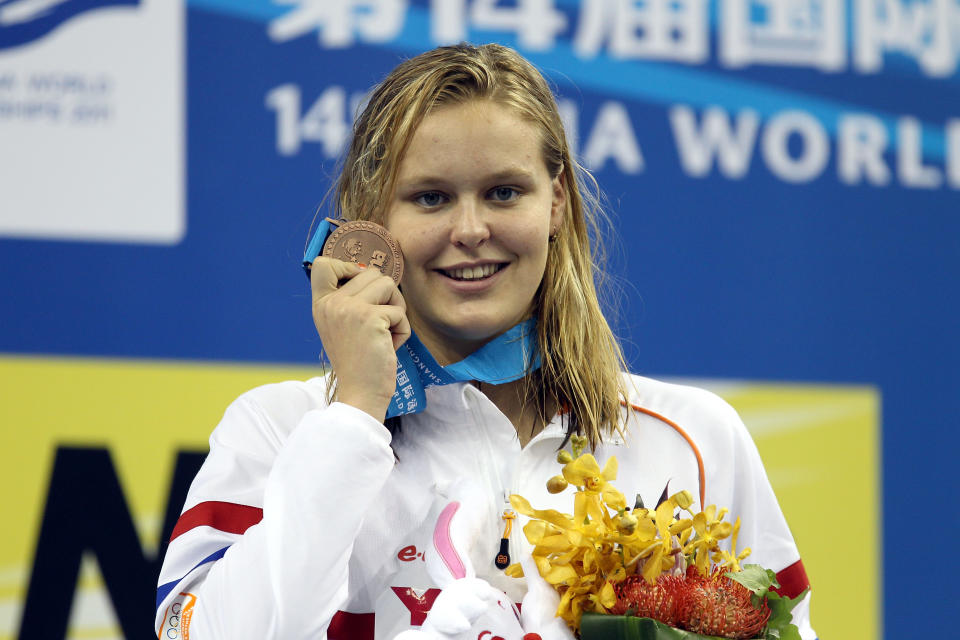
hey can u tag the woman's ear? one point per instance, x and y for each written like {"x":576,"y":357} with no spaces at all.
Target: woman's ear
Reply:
{"x":559,"y":201}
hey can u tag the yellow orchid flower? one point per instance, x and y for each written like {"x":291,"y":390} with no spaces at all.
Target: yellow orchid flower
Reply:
{"x":731,"y":559}
{"x":605,"y":599}
{"x":683,"y":499}
{"x":521,"y":505}
{"x":667,"y":528}
{"x":710,"y":529}
{"x":585,"y":472}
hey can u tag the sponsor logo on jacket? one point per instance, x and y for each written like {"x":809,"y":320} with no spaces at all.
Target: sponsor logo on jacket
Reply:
{"x":176,"y":619}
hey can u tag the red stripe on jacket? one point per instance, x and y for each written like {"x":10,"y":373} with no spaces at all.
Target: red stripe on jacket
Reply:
{"x":351,"y":626}
{"x":223,"y":516}
{"x":793,"y":580}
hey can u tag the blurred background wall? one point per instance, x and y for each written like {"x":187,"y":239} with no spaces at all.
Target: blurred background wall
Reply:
{"x":783,"y":177}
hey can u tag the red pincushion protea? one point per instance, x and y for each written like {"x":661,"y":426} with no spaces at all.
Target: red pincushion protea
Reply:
{"x":665,"y":600}
{"x":718,"y":606}
{"x":712,"y":605}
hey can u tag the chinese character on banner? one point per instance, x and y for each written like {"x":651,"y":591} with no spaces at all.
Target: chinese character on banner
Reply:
{"x":788,"y":32}
{"x":660,"y":29}
{"x":926,"y":30}
{"x":536,"y":22}
{"x":340,"y":22}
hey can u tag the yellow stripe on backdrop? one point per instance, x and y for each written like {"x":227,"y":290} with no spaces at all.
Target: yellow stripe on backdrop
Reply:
{"x":820,"y":445}
{"x":143,"y":412}
{"x":821,"y":448}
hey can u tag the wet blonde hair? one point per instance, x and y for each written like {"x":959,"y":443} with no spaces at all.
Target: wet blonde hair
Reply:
{"x":581,"y":359}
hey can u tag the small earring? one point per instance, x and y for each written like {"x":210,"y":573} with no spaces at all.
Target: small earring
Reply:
{"x":553,"y":234}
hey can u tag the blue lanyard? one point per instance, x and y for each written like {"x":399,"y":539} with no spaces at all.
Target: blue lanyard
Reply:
{"x":507,"y":357}
{"x":315,"y":246}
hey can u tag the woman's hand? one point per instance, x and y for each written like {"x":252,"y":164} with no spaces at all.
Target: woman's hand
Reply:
{"x":361,"y":318}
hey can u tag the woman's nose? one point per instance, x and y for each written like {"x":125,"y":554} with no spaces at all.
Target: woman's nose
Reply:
{"x":469,"y":226}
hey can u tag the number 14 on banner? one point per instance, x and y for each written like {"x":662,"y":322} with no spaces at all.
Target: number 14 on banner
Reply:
{"x":536,"y":22}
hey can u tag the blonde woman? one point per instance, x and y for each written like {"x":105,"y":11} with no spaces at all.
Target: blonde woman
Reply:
{"x":313,"y":512}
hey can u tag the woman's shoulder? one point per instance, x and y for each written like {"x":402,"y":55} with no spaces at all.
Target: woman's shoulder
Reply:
{"x":274,"y":408}
{"x":700,"y":413}
{"x":298,"y":396}
{"x":673,"y":398}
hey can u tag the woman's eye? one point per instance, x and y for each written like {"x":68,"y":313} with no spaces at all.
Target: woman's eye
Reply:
{"x":429,"y":199}
{"x":504,"y":194}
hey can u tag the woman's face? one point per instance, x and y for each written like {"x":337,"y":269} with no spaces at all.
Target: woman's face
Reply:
{"x":473,"y":210}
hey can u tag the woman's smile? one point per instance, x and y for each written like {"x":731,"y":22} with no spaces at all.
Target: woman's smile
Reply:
{"x":473,"y":272}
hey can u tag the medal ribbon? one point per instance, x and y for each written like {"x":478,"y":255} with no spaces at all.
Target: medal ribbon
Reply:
{"x":315,"y":246}
{"x":507,"y":357}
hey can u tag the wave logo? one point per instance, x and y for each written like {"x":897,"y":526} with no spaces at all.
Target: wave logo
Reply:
{"x":23,"y":21}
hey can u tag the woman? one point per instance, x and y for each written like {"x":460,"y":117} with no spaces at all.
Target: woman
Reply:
{"x":309,"y":514}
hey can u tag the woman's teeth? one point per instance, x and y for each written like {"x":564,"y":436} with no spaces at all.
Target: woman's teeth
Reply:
{"x":473,"y":273}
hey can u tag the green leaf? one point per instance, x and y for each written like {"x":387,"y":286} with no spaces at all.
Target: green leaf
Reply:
{"x":595,"y":626}
{"x":787,"y":632}
{"x":756,"y":579}
{"x":760,"y":581}
{"x":780,"y":625}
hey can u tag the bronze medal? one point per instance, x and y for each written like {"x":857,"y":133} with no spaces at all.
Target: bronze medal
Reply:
{"x":365,"y":243}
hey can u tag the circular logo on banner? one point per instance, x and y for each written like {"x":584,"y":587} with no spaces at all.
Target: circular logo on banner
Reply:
{"x":366,"y":243}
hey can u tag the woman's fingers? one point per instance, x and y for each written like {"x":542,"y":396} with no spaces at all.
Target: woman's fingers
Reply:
{"x":395,"y":321}
{"x":326,"y":274}
{"x":373,"y":287}
{"x":400,"y":331}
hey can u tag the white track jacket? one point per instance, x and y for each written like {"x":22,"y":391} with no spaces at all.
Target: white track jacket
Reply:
{"x":304,"y":523}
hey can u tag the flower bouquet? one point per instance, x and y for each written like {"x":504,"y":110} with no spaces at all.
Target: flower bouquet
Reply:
{"x":647,"y":574}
